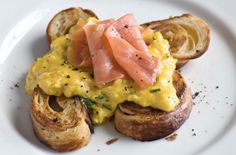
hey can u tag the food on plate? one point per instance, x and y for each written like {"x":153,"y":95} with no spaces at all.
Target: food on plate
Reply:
{"x":147,"y":123}
{"x":62,"y":21}
{"x":97,"y":69}
{"x":188,"y":36}
{"x":63,"y":127}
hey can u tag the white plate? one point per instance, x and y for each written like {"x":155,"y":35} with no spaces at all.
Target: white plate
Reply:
{"x":23,"y":39}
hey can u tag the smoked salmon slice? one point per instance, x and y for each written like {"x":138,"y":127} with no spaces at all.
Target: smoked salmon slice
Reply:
{"x":129,"y":30}
{"x":130,"y":51}
{"x":115,"y":49}
{"x":105,"y":67}
{"x":78,"y":52}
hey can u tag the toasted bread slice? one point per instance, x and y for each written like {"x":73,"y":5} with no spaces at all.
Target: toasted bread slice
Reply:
{"x":62,"y":21}
{"x":146,"y":123}
{"x":188,"y":35}
{"x":181,"y":63}
{"x":61,"y":123}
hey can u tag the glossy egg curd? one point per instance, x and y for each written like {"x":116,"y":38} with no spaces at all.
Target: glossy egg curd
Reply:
{"x":55,"y":76}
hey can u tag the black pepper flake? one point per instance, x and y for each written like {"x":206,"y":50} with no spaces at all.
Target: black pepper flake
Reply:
{"x":66,"y":84}
{"x":68,"y":76}
{"x":141,"y":80}
{"x":98,"y":150}
{"x":87,"y":91}
{"x":194,"y":134}
{"x":126,"y":26}
{"x":192,"y":129}
{"x":136,"y":55}
{"x":217,"y":87}
{"x":84,"y":78}
{"x":17,"y":85}
{"x":81,"y":86}
{"x":195,"y":95}
{"x":75,"y":69}
{"x":140,"y":58}
{"x":92,"y":75}
{"x":126,"y":89}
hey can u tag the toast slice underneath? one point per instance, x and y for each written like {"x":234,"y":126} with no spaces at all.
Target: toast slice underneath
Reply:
{"x":188,"y":36}
{"x":61,"y":123}
{"x":146,"y":123}
{"x":62,"y":21}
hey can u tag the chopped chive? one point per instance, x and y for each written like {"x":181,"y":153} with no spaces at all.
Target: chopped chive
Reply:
{"x":155,"y":90}
{"x":107,"y":107}
{"x":102,"y":98}
{"x":99,"y":97}
{"x":89,"y":103}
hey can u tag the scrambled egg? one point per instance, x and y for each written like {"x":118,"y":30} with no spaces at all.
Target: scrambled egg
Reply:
{"x":55,"y":76}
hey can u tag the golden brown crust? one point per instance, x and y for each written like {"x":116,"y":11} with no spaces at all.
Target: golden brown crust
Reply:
{"x":188,"y":35}
{"x":181,"y":63}
{"x":147,"y":123}
{"x":63,"y":130}
{"x":62,"y":21}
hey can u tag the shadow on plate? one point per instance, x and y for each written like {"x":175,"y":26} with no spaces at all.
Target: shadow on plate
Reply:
{"x":22,"y":120}
{"x":40,"y":47}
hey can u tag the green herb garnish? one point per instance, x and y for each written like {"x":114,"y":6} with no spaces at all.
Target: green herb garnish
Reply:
{"x":102,"y":98}
{"x":155,"y":90}
{"x":107,"y":107}
{"x":89,"y":103}
{"x":99,"y":97}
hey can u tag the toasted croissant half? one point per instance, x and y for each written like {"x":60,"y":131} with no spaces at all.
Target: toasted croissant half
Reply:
{"x":146,"y":123}
{"x":59,"y":122}
{"x":188,"y":36}
{"x":62,"y":21}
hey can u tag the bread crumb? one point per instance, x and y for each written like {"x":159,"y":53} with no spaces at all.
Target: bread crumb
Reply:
{"x":172,"y":137}
{"x":111,"y":141}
